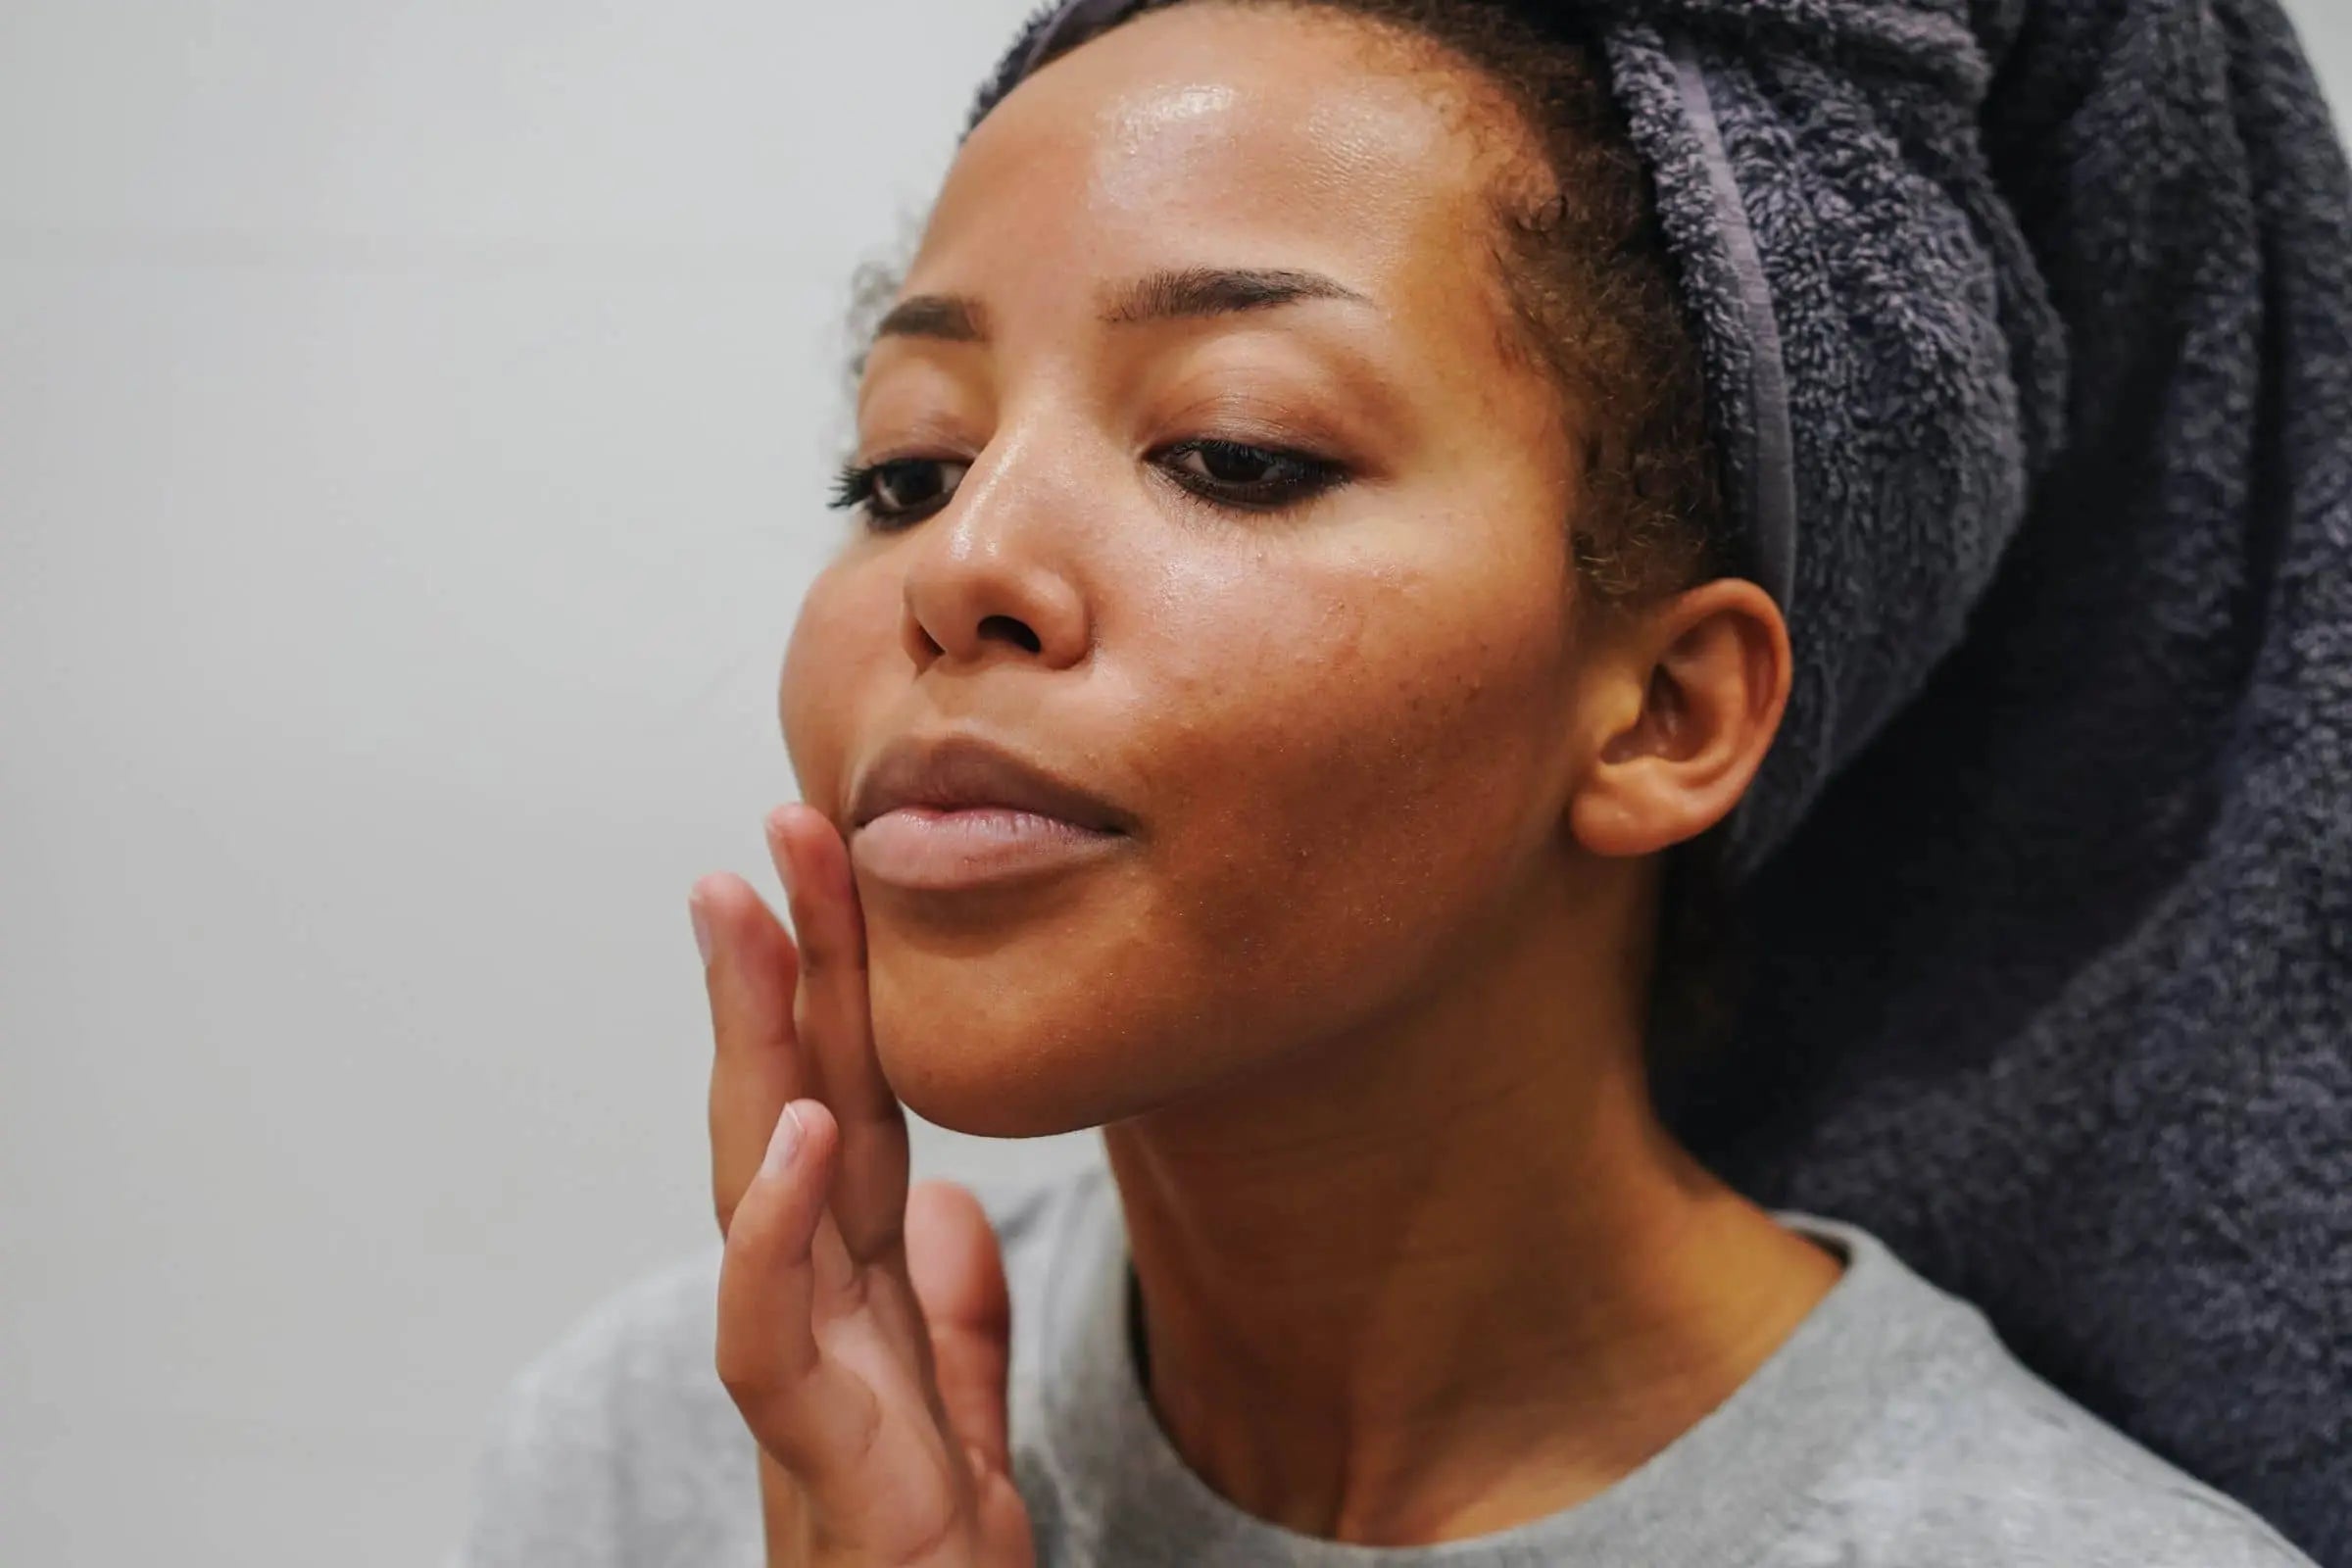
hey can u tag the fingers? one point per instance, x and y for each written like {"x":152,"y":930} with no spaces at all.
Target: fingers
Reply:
{"x":804,"y":1409}
{"x":833,"y":1020}
{"x":823,"y":1341}
{"x":958,"y":1271}
{"x":750,"y":974}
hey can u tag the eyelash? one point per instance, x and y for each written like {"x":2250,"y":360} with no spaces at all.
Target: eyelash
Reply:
{"x":1305,"y":476}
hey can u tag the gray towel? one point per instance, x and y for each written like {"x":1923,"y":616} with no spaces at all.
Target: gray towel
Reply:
{"x":2029,"y":335}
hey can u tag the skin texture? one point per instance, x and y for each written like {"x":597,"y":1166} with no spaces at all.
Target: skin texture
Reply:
{"x":1359,"y":1000}
{"x":1394,"y":671}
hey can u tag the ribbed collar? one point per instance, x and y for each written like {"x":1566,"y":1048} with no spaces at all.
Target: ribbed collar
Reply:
{"x":1709,"y":1500}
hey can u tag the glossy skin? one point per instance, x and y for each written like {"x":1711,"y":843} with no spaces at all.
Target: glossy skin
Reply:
{"x":1347,"y":729}
{"x":1359,"y":997}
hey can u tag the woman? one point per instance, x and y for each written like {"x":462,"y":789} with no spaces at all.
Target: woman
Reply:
{"x":1286,"y":698}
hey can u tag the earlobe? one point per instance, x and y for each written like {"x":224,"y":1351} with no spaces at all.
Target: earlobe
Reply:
{"x":1712,"y":667}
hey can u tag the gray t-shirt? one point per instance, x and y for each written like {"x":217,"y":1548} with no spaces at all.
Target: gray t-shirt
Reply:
{"x":1890,"y":1430}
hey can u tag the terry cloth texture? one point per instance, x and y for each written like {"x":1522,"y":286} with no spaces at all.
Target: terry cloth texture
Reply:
{"x":1889,"y":1430}
{"x":2029,"y":335}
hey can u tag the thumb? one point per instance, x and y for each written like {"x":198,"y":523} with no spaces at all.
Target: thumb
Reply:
{"x":958,"y":1271}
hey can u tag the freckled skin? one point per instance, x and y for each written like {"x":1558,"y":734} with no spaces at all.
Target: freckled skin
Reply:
{"x":1349,"y":730}
{"x":1360,"y":1007}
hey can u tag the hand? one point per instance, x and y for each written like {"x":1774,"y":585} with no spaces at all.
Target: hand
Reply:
{"x":863,"y":1328}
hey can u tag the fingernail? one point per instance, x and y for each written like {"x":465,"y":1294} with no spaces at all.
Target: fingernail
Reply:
{"x":701,"y":925}
{"x":783,"y":1143}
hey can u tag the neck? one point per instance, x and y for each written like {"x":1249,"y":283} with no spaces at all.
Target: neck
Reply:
{"x":1449,"y":1274}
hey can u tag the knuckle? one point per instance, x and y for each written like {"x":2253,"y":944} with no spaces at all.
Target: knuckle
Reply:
{"x":746,"y":1384}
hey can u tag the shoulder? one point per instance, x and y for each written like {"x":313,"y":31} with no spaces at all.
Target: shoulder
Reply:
{"x":1976,"y":1458}
{"x":617,"y":1442}
{"x":1993,"y":1464}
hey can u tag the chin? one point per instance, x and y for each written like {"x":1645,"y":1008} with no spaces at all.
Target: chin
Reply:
{"x":1001,"y":1049}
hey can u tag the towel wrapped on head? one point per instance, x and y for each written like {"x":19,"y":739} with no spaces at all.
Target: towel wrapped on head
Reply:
{"x":2028,"y":328}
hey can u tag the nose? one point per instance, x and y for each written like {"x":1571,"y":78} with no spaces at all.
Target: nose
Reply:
{"x":993,"y":576}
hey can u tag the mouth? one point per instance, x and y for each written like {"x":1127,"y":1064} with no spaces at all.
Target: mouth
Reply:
{"x":958,"y":812}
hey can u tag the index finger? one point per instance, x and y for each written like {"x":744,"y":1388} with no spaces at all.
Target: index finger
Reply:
{"x":749,"y":976}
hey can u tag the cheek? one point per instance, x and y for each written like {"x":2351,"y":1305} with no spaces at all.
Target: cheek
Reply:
{"x":1368,"y":776}
{"x":1348,"y":763}
{"x":842,"y":643}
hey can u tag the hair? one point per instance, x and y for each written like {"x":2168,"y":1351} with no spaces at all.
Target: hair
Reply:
{"x":1590,"y":297}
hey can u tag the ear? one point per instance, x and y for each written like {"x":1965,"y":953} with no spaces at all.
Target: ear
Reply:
{"x":1684,"y":700}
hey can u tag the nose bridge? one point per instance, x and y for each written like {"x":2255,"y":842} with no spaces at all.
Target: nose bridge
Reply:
{"x":997,"y":570}
{"x":997,"y":509}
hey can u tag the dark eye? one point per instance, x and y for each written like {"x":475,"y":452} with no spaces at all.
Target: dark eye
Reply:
{"x":901,"y":491}
{"x":1254,"y":478}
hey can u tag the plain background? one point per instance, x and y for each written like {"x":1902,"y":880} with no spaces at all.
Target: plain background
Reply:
{"x":413,"y":427}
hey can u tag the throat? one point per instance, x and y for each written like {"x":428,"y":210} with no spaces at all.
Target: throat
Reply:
{"x":1482,"y":1374}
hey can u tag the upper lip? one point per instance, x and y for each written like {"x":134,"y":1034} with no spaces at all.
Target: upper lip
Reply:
{"x":951,"y":771}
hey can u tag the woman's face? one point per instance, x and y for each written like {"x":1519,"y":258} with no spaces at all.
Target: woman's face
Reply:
{"x":1327,"y":673}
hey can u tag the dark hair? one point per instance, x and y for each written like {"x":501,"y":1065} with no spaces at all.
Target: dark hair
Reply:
{"x":1589,"y":292}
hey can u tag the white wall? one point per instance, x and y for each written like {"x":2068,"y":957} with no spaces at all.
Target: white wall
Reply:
{"x":414,"y":419}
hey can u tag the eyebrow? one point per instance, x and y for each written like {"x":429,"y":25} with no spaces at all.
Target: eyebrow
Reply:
{"x":1164,"y":296}
{"x":949,"y":317}
{"x":1217,"y":291}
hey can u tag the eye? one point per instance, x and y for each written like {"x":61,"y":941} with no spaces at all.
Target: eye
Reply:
{"x":1253,"y":478}
{"x":901,"y":491}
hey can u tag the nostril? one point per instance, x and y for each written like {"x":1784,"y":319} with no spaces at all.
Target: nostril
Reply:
{"x":1012,"y":630}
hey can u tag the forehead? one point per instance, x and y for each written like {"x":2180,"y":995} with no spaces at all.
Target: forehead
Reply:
{"x":1212,"y":134}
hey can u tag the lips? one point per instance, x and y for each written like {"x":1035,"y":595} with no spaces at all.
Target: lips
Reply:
{"x":963,"y":773}
{"x":956,"y":813}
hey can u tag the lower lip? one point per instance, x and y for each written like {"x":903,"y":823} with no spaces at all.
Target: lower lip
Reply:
{"x":919,"y":847}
